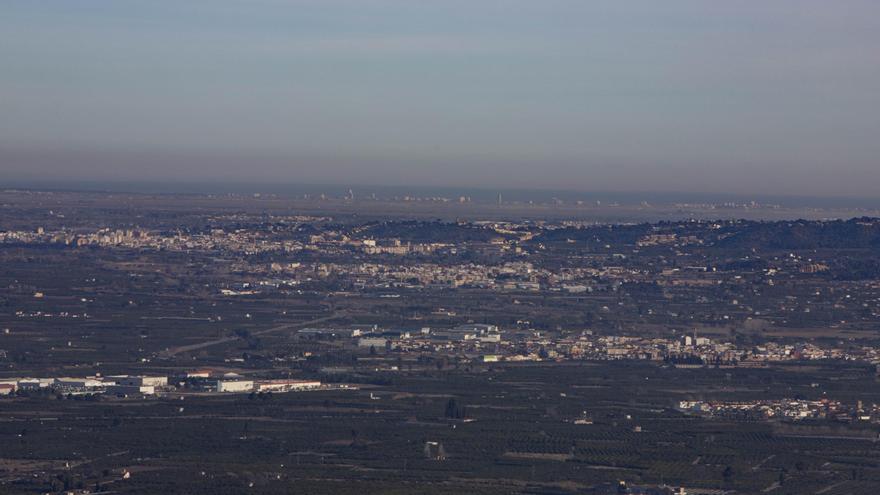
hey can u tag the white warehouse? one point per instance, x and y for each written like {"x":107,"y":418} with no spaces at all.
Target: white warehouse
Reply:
{"x":235,"y":385}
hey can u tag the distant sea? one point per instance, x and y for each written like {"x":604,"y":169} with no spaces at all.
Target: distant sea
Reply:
{"x":483,"y":195}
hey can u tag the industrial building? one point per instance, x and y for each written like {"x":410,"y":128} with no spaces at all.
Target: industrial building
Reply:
{"x":235,"y":385}
{"x":286,"y":385}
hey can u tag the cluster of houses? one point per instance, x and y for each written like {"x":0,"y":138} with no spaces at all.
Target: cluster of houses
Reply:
{"x":370,"y":336}
{"x":491,"y":344}
{"x":473,"y":333}
{"x":787,"y":409}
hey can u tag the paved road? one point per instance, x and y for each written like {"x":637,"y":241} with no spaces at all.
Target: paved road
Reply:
{"x":173,"y":351}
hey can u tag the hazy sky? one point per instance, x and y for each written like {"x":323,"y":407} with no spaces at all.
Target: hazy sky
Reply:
{"x":763,"y":96}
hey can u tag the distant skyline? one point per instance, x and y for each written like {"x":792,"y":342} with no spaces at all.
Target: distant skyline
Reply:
{"x":769,"y":98}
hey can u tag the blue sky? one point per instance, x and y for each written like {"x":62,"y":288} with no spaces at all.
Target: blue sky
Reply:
{"x":775,"y":96}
